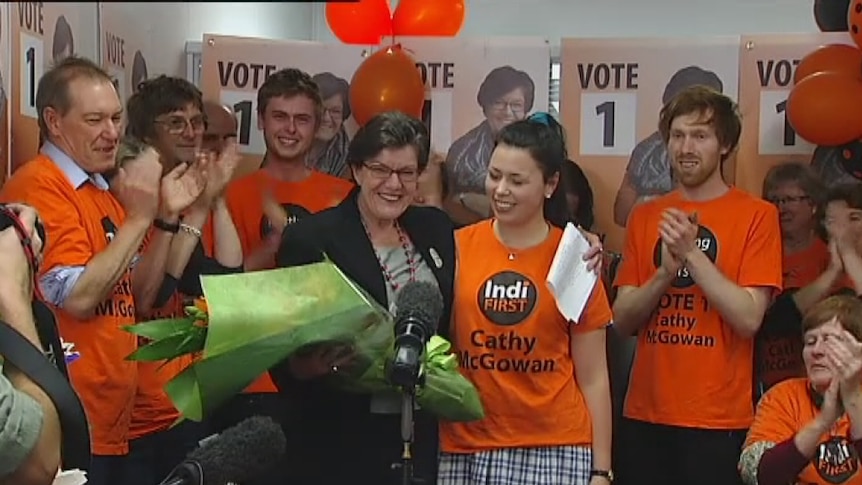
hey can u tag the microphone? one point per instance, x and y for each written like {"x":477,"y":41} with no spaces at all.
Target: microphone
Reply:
{"x":418,"y":308}
{"x":237,"y":455}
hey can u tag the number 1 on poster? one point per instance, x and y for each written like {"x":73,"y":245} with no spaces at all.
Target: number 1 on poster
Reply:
{"x":244,"y":104}
{"x":776,"y":136}
{"x":608,"y":123}
{"x":31,"y":67}
{"x":437,"y":116}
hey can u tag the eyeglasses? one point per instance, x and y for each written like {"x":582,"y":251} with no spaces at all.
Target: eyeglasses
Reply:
{"x":177,"y":124}
{"x":787,"y":200}
{"x":517,"y":107}
{"x":382,"y":172}
{"x":333,"y":112}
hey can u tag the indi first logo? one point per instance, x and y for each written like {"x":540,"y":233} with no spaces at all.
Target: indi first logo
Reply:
{"x":507,"y":298}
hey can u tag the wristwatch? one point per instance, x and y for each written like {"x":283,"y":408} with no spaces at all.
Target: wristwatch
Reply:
{"x":172,"y":228}
{"x":604,"y":474}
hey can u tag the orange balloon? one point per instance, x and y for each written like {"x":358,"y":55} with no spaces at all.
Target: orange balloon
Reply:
{"x":841,"y":58}
{"x":442,"y":18}
{"x":360,"y":22}
{"x":824,"y":108}
{"x":386,"y":81}
{"x":854,"y":21}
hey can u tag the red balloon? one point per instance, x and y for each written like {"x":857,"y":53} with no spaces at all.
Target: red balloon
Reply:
{"x":386,"y":81}
{"x":824,"y":109}
{"x":442,"y":18}
{"x":359,"y":22}
{"x":854,"y":21}
{"x":840,"y":58}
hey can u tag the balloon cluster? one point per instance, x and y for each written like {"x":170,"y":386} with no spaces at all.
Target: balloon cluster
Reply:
{"x":366,"y":22}
{"x":824,"y":104}
{"x":388,"y":80}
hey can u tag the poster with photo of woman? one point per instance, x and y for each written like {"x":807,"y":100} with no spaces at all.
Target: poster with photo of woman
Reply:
{"x":329,"y":151}
{"x":475,"y":88}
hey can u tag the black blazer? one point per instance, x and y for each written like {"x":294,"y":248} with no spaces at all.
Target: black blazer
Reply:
{"x":333,"y":436}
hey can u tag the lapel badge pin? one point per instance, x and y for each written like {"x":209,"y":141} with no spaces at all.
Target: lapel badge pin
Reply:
{"x":436,"y":257}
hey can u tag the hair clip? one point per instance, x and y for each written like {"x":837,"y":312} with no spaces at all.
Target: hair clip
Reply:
{"x":540,"y":117}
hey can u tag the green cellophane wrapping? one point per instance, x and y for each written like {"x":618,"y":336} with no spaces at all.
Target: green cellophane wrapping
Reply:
{"x":443,"y":392}
{"x":256,"y":320}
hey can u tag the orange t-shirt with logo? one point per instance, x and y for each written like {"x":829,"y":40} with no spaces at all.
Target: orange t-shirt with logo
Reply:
{"x":153,"y":410}
{"x":690,"y":368}
{"x":244,"y":197}
{"x":514,"y":346}
{"x":781,"y":358}
{"x":787,"y":408}
{"x":79,"y":225}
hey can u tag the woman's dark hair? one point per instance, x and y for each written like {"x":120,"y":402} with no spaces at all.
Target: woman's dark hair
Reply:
{"x":156,"y":97}
{"x":545,"y":139}
{"x":501,"y":81}
{"x":62,"y":38}
{"x":331,"y":85}
{"x":389,"y":130}
{"x":575,"y":181}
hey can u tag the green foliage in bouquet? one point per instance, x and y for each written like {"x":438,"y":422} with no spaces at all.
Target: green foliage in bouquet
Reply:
{"x":249,"y":322}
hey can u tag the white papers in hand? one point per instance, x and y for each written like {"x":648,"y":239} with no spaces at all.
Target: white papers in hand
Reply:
{"x":71,"y":477}
{"x":569,"y":280}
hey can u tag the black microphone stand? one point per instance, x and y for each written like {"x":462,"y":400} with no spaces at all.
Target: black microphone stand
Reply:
{"x":408,"y":400}
{"x":408,"y":403}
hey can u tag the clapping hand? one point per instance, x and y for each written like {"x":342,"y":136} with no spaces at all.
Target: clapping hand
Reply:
{"x":219,"y":171}
{"x":678,"y":232}
{"x":181,"y":187}
{"x":836,"y":264}
{"x":844,"y":355}
{"x":831,"y":409}
{"x":137,"y":185}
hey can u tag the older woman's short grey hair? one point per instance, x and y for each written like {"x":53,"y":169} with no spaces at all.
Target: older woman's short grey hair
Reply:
{"x":389,"y":130}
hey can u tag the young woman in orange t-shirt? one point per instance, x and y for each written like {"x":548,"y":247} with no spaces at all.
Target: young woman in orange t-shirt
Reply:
{"x":543,"y":379}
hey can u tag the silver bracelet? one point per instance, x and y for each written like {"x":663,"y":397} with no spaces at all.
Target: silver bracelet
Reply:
{"x":194,"y":231}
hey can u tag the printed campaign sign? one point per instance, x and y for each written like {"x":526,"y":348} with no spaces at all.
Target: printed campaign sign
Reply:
{"x":611,"y":92}
{"x":42,"y":33}
{"x":767,"y":66}
{"x":234,"y":68}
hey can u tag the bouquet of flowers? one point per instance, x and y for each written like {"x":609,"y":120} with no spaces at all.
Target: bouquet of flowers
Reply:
{"x":249,"y":322}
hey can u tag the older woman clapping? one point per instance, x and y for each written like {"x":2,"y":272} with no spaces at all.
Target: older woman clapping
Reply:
{"x":809,"y":430}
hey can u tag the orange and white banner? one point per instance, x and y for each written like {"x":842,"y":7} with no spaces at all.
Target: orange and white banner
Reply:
{"x":767,"y":66}
{"x":234,"y":68}
{"x":475,"y":88}
{"x":37,"y":26}
{"x":611,"y":92}
{"x":122,"y":44}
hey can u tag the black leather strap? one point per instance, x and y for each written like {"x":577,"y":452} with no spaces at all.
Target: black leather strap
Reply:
{"x":18,"y":351}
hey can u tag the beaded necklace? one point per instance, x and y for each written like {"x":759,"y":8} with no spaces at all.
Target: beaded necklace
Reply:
{"x":408,"y":255}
